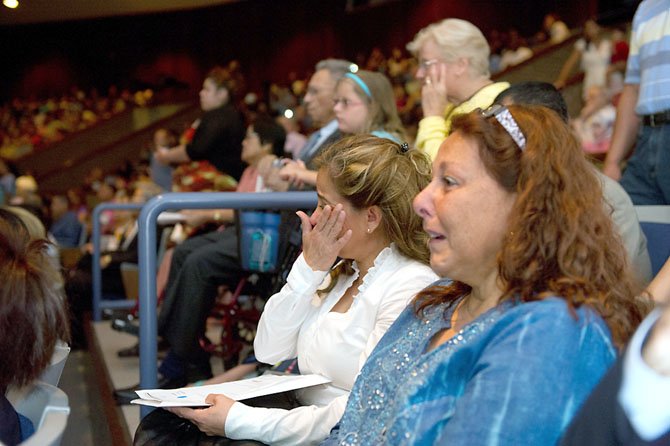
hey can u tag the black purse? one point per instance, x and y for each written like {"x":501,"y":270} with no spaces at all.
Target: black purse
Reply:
{"x":163,"y":428}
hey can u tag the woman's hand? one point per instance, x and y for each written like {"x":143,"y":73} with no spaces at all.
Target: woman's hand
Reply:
{"x":656,"y":351}
{"x":197,"y":217}
{"x":210,"y":420}
{"x":434,"y":91}
{"x":321,"y":239}
{"x":270,"y":174}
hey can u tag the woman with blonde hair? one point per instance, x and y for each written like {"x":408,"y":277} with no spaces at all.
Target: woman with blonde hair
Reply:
{"x":454,"y":68}
{"x":330,"y":314}
{"x":364,"y":103}
{"x":538,"y":301}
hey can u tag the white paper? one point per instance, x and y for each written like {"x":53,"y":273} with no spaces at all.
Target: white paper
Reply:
{"x":236,"y":390}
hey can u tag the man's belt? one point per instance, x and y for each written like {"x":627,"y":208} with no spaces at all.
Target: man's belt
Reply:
{"x":657,"y":119}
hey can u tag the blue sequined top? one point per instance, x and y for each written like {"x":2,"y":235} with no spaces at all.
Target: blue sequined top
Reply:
{"x":514,"y":376}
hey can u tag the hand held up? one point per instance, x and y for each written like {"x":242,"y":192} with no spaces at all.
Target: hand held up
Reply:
{"x":322,"y":240}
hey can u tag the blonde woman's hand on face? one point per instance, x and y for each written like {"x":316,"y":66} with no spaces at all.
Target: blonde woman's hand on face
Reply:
{"x":434,"y":91}
{"x":210,"y":420}
{"x":321,"y":239}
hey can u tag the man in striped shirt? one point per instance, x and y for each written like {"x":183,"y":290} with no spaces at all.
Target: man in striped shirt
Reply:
{"x":643,"y":113}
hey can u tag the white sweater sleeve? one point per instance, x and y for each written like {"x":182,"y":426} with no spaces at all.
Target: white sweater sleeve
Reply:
{"x":405,"y":285}
{"x":643,"y":390}
{"x":285,"y":312}
{"x":303,"y":425}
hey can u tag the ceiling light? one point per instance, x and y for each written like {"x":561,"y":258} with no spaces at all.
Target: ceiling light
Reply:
{"x":11,"y":3}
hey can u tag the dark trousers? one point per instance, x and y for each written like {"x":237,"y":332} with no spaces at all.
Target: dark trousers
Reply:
{"x":199,"y":266}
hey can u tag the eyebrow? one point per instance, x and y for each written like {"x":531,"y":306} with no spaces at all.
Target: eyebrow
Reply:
{"x":323,"y":198}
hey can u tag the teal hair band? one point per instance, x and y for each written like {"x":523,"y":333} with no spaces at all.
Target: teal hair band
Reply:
{"x":360,"y":83}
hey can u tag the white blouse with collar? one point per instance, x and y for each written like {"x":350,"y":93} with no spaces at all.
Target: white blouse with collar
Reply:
{"x":328,"y":343}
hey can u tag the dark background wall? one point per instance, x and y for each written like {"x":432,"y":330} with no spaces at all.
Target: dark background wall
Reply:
{"x":271,"y":38}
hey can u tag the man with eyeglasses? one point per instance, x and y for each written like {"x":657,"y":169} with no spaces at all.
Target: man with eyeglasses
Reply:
{"x":454,"y":68}
{"x":319,"y":106}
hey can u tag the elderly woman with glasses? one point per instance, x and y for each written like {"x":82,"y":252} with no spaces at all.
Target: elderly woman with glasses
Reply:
{"x":537,"y":303}
{"x":454,"y":68}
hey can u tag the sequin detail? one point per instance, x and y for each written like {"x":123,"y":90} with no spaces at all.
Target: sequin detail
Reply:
{"x":397,"y":372}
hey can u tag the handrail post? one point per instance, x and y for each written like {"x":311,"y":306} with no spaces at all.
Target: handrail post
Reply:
{"x":95,"y":240}
{"x":147,"y":254}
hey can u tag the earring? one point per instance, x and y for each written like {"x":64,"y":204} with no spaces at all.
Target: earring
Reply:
{"x":369,"y":230}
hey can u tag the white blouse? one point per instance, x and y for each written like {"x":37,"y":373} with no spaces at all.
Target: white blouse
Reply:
{"x":328,"y":343}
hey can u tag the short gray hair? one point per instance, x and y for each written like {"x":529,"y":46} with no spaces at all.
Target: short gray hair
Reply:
{"x":456,"y":39}
{"x":336,"y":67}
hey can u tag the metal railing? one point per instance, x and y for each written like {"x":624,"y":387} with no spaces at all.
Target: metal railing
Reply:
{"x":99,"y":303}
{"x":147,"y":254}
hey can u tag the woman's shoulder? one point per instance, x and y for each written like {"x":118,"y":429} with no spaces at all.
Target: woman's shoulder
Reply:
{"x":554,"y":315}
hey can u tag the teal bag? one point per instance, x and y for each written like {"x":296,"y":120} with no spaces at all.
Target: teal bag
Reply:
{"x":259,"y":240}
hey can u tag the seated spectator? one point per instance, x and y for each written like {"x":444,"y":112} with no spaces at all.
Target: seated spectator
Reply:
{"x":264,"y":138}
{"x":216,"y":137}
{"x":295,"y":140}
{"x":27,"y":195}
{"x":331,"y":314}
{"x":78,"y":283}
{"x":65,"y":226}
{"x":629,"y":406}
{"x":396,"y":65}
{"x":532,"y":262}
{"x":161,"y":174}
{"x":496,"y":45}
{"x":454,"y":68}
{"x":595,"y":122}
{"x":517,"y":51}
{"x":555,"y":28}
{"x":7,"y":180}
{"x":619,"y":204}
{"x":201,"y":264}
{"x":33,"y":311}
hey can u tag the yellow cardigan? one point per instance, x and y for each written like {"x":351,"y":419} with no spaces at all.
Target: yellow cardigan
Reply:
{"x":434,"y":129}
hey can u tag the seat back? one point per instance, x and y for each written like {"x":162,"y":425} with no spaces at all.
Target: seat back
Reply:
{"x":52,"y":374}
{"x":48,"y":408}
{"x":655,"y":223}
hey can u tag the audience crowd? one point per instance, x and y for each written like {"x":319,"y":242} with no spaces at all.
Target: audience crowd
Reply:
{"x":465,"y":249}
{"x":28,"y":125}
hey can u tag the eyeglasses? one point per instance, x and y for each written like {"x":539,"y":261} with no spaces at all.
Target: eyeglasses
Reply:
{"x":505,"y":118}
{"x":345,"y":102}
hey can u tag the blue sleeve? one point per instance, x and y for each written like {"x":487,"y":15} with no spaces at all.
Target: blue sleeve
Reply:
{"x":529,"y":379}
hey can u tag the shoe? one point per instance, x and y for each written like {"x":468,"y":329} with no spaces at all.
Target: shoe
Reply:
{"x":126,"y":326}
{"x":112,"y":313}
{"x":134,"y":351}
{"x":125,"y":396}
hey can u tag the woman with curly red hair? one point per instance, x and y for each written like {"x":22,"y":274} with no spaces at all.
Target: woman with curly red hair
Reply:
{"x":538,"y":300}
